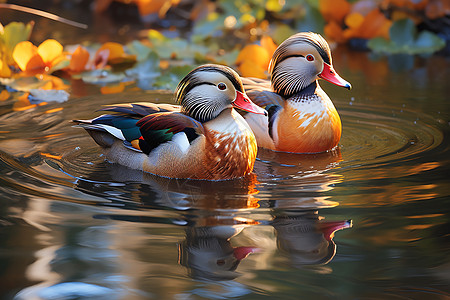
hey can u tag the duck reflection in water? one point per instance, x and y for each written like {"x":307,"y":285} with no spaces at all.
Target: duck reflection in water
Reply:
{"x":212,"y":213}
{"x":207,"y":251}
{"x":302,"y":235}
{"x":305,"y":237}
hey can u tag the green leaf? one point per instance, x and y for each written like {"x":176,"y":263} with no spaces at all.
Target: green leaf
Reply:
{"x":14,"y":33}
{"x":139,"y":49}
{"x":380,"y":44}
{"x":311,"y":21}
{"x":428,"y":42}
{"x":281,"y":32}
{"x":403,"y":32}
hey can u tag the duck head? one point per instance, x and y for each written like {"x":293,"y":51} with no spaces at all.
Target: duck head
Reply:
{"x":209,"y":89}
{"x":299,"y":61}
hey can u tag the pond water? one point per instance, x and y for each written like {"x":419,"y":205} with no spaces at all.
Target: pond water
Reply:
{"x":73,"y":226}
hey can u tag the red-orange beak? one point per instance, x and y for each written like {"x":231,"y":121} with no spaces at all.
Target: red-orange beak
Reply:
{"x":242,"y":252}
{"x":330,"y":227}
{"x":243,"y":102}
{"x":330,"y":75}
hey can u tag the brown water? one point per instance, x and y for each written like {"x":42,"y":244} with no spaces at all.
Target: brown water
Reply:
{"x":73,"y":226}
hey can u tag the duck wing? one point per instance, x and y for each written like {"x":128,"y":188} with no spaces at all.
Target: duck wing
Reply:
{"x":159,"y":128}
{"x":260,"y":92}
{"x":140,"y":109}
{"x":141,"y":126}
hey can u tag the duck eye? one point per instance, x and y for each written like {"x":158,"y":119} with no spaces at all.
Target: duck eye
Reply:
{"x":309,"y":57}
{"x":221,"y":86}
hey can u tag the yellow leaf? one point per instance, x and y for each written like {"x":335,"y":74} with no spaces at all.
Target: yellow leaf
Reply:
{"x":49,"y":51}
{"x":23,"y":52}
{"x":354,"y":20}
{"x":5,"y":71}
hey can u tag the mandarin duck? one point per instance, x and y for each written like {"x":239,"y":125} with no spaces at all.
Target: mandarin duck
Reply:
{"x":202,"y":138}
{"x":301,"y":117}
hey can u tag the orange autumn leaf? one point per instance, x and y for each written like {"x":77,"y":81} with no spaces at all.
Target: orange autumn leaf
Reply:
{"x":115,"y":49}
{"x":257,"y":55}
{"x":4,"y":95}
{"x":373,"y":25}
{"x":268,"y":44}
{"x":334,"y":32}
{"x":116,"y":53}
{"x":112,"y":89}
{"x":80,"y":57}
{"x":24,"y":52}
{"x":248,"y":69}
{"x":334,"y":10}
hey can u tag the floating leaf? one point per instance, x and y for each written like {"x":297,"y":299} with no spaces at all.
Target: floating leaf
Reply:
{"x":116,"y":53}
{"x":50,"y":50}
{"x":5,"y":71}
{"x":428,"y":42}
{"x":11,"y":35}
{"x":102,"y":77}
{"x":24,"y":52}
{"x":139,"y":49}
{"x":79,"y":60}
{"x":4,"y":95}
{"x":113,"y":89}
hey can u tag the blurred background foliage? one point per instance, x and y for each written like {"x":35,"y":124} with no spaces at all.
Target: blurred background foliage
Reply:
{"x":155,"y":42}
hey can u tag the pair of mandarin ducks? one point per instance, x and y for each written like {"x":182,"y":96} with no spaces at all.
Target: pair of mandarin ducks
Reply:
{"x":205,"y":138}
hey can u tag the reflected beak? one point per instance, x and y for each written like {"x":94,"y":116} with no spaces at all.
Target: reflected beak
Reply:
{"x":329,"y":228}
{"x":242,"y":252}
{"x":243,"y":102}
{"x":330,"y":75}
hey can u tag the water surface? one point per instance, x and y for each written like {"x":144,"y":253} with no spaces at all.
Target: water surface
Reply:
{"x":73,"y":225}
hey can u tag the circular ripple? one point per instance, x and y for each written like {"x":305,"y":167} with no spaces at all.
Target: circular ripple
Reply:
{"x":372,"y":137}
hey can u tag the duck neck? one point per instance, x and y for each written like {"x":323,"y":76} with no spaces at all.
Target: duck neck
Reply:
{"x":307,"y":92}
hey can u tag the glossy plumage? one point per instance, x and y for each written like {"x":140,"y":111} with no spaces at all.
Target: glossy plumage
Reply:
{"x":302,"y":118}
{"x":204,"y":138}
